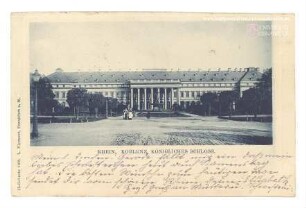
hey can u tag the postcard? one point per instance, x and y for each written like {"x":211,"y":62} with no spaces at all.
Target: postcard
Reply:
{"x":152,"y":104}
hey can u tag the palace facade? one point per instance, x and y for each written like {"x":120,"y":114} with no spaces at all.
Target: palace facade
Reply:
{"x":142,"y":90}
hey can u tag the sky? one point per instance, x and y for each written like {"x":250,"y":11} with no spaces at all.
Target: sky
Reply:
{"x":184,"y":45}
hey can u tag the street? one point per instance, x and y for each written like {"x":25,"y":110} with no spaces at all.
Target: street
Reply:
{"x":195,"y":130}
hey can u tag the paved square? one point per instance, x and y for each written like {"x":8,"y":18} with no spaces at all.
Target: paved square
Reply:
{"x":194,"y":130}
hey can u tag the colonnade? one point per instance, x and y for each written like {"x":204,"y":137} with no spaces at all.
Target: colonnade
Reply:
{"x":147,"y":98}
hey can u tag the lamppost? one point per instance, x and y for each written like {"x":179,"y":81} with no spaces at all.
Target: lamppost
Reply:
{"x":35,"y":78}
{"x":219,"y":104}
{"x":106,"y":108}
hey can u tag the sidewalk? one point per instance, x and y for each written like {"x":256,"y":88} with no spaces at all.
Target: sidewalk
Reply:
{"x":190,"y":114}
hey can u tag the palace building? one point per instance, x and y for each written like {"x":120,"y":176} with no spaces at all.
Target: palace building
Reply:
{"x":142,"y":90}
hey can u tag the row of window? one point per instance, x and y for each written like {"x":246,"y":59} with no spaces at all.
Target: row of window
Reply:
{"x":114,"y":94}
{"x":123,"y":85}
{"x":210,"y":85}
{"x":247,"y":84}
{"x":87,"y":85}
{"x":59,"y":94}
{"x":191,"y":94}
{"x":123,"y":94}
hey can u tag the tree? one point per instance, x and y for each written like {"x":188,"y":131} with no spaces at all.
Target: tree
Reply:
{"x":45,"y":96}
{"x":191,"y":108}
{"x":77,"y":98}
{"x":264,"y":87}
{"x":208,"y":100}
{"x":250,"y":101}
{"x":196,"y":108}
{"x":258,"y":100}
{"x":112,"y":105}
{"x":121,"y":107}
{"x":96,"y":101}
{"x":227,"y":100}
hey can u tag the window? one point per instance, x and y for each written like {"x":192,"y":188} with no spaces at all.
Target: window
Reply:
{"x":64,"y":94}
{"x":192,"y":94}
{"x":57,"y":94}
{"x":187,"y":94}
{"x":182,"y":94}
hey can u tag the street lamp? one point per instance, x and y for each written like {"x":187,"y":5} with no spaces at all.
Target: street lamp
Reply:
{"x":219,"y":104}
{"x":106,"y":108}
{"x":35,"y":78}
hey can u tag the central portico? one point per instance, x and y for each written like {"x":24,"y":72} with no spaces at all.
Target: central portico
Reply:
{"x":147,"y":94}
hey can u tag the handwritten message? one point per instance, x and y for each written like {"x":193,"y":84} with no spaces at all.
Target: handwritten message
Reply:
{"x":162,"y":172}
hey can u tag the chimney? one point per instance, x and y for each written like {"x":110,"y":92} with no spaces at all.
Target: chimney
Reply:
{"x":252,"y":69}
{"x":59,"y":70}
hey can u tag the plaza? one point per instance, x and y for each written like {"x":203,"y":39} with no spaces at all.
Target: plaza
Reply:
{"x":189,"y":130}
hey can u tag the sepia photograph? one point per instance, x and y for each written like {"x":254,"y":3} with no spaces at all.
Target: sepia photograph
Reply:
{"x":126,"y":83}
{"x":123,"y":102}
{"x":153,"y":104}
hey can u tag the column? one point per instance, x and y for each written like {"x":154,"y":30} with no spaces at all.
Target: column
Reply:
{"x":165,"y":99}
{"x":145,"y":98}
{"x":172,"y":97}
{"x":138,"y":98}
{"x":178,"y":96}
{"x":158,"y":95}
{"x":151,"y":99}
{"x":131,"y":99}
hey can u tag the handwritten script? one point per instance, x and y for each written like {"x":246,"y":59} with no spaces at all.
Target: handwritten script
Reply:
{"x":143,"y":172}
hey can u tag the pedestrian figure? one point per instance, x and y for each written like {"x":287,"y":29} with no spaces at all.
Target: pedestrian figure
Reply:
{"x":125,"y":114}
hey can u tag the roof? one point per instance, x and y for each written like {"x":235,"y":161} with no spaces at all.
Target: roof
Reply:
{"x":252,"y":75}
{"x":126,"y":76}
